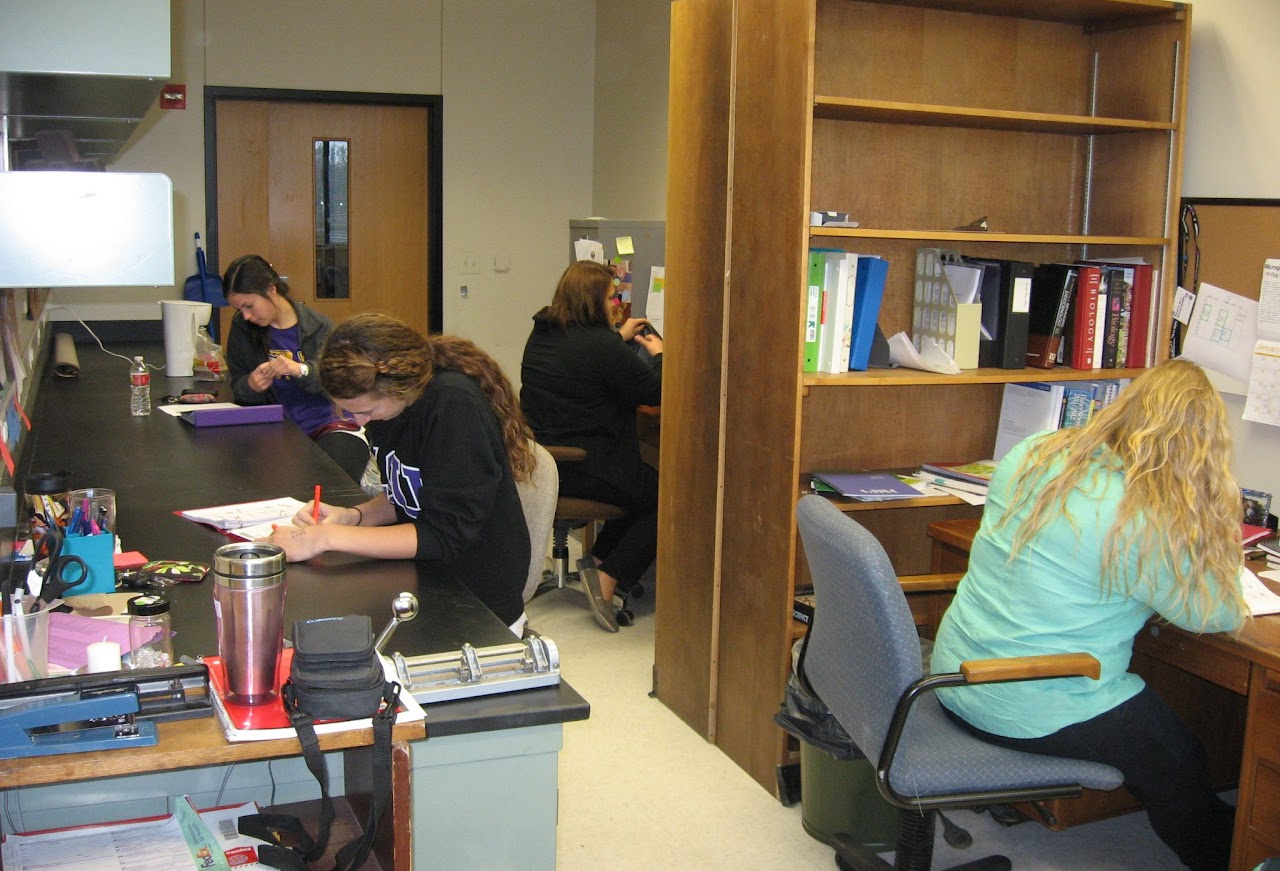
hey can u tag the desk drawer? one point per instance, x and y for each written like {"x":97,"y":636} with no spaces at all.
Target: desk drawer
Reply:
{"x":1191,"y":654}
{"x":1264,"y":729}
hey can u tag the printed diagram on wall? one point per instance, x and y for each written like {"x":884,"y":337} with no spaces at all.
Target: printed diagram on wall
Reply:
{"x":1263,"y":402}
{"x":1222,"y":331}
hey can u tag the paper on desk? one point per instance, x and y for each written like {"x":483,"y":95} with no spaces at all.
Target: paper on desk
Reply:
{"x":71,"y":634}
{"x":1257,"y":596}
{"x":176,"y":841}
{"x":930,"y":357}
{"x":183,"y":408}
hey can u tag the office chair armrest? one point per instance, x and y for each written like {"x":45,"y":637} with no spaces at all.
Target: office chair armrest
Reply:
{"x":1031,"y":667}
{"x":566,"y":454}
{"x":945,"y":582}
{"x":986,"y":671}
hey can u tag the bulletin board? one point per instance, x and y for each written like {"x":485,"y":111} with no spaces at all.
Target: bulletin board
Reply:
{"x":1236,"y":236}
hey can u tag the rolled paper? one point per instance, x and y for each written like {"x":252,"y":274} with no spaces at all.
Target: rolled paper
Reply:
{"x":66,"y":364}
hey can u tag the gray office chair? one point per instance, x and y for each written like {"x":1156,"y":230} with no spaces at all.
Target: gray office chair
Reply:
{"x":538,"y":499}
{"x":863,"y":661}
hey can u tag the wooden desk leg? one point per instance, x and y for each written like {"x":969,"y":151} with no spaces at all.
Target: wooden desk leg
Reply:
{"x":1257,"y":831}
{"x":393,"y":846}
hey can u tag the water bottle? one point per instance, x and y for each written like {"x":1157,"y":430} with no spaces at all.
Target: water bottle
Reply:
{"x":139,"y":388}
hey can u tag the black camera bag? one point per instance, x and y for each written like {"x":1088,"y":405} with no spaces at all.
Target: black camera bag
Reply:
{"x":336,"y":674}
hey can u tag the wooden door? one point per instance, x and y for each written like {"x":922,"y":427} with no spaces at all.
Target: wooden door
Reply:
{"x":266,"y":170}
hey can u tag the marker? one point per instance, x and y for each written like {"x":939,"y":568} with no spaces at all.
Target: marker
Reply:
{"x":315,"y":509}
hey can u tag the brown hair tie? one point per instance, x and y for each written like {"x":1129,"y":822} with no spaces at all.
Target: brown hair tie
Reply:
{"x":381,"y":366}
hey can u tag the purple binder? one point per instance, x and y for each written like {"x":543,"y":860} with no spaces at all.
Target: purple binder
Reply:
{"x":233,"y":416}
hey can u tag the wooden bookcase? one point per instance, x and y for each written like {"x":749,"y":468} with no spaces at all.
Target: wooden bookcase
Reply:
{"x":1061,"y":121}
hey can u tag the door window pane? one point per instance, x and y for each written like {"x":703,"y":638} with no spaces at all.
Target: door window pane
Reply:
{"x":332,"y":233}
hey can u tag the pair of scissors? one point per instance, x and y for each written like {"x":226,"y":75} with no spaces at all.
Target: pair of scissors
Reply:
{"x":61,"y":573}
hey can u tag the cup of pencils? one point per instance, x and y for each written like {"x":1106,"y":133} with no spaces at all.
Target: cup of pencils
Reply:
{"x":91,"y":511}
{"x":46,"y":497}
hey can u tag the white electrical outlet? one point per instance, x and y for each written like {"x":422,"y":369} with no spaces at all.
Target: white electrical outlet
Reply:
{"x":470,"y":264}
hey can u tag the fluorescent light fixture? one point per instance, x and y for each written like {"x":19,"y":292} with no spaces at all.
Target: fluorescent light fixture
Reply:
{"x":85,"y":229}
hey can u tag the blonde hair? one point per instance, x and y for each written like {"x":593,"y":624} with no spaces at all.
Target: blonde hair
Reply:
{"x":1181,"y":510}
{"x":376,"y":353}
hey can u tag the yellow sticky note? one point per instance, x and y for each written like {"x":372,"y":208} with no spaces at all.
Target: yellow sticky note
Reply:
{"x":625,"y":245}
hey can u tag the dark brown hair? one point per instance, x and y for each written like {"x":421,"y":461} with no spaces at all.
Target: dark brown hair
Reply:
{"x":374,"y":352}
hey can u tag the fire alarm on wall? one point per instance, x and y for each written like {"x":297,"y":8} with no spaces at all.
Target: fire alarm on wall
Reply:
{"x":173,"y":97}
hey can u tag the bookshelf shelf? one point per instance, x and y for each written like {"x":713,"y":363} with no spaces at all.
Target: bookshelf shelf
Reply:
{"x":1059,"y":121}
{"x":969,"y":236}
{"x":891,"y":112}
{"x":900,"y":377}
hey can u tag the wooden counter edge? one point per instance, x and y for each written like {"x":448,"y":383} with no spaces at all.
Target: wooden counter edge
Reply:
{"x":182,"y":744}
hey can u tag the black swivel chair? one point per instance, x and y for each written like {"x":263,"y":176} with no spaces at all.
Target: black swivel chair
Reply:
{"x":863,"y":660}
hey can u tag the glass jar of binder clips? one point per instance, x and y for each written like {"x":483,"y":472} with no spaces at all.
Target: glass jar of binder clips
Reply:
{"x":46,"y":498}
{"x":150,"y":637}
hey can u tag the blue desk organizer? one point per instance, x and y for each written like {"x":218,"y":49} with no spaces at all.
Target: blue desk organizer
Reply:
{"x":98,"y":553}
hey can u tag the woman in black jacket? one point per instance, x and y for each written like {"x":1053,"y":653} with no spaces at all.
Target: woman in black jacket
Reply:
{"x":581,"y":383}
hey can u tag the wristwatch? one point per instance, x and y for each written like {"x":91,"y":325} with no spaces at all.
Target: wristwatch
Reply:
{"x":304,"y":370}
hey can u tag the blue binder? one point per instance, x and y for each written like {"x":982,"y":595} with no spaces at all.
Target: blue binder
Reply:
{"x":868,"y":291}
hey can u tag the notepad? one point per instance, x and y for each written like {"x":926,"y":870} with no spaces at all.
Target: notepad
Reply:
{"x":246,"y":514}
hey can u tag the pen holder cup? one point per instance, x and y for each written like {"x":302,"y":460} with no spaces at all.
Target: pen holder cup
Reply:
{"x":98,"y":553}
{"x":96,"y":504}
{"x":24,"y":647}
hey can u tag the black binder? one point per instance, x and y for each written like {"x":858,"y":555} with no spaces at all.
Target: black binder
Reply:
{"x":1006,"y":306}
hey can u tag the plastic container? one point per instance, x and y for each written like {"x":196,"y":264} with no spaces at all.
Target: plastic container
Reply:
{"x":840,"y":795}
{"x":139,"y":388}
{"x":45,"y":494}
{"x":150,"y":632}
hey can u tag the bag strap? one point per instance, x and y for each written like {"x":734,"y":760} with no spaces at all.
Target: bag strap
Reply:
{"x":269,"y":827}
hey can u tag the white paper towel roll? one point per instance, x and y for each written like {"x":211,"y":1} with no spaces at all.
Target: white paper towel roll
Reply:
{"x":181,"y":317}
{"x":66,"y":363}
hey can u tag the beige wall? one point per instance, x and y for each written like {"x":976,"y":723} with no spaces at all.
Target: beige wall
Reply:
{"x":517,"y":82}
{"x":633,"y":50}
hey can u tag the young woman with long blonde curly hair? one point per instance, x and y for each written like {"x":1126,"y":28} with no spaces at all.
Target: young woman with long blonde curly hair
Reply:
{"x":1087,"y":534}
{"x":450,"y":442}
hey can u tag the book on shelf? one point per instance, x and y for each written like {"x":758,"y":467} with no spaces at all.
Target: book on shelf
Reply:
{"x":1082,"y":320}
{"x":1077,"y":404}
{"x":866,"y":486}
{"x":976,"y":472}
{"x":1026,"y":409}
{"x":839,"y":275}
{"x":268,"y":721}
{"x":1053,"y":286}
{"x":868,"y":292}
{"x":1006,"y":307}
{"x":1115,"y":333}
{"x":802,"y":604}
{"x":1141,"y":326}
{"x":813,"y":311}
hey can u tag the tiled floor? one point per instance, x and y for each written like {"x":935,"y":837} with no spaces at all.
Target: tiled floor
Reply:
{"x":641,"y":790}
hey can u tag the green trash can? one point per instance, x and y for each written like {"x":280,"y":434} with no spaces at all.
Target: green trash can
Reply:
{"x":840,"y":795}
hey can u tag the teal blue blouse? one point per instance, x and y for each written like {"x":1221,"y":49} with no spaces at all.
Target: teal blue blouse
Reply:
{"x":1050,"y":600}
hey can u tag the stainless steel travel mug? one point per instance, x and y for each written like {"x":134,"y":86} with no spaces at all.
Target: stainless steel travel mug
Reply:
{"x":248,"y":602}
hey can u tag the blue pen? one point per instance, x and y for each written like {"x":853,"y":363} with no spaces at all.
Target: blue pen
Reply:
{"x":73,"y":528}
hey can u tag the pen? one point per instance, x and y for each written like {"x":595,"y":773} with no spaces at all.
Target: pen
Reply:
{"x":315,"y":509}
